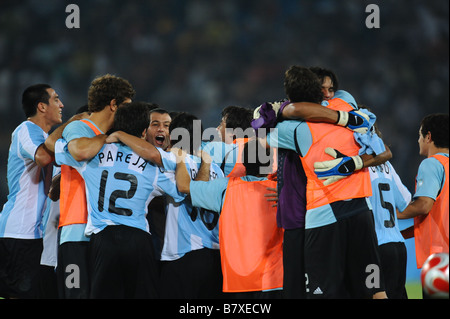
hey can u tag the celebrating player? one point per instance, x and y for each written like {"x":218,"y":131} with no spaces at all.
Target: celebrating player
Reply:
{"x":119,"y":185}
{"x":332,"y":209}
{"x":429,"y":207}
{"x":29,"y":175}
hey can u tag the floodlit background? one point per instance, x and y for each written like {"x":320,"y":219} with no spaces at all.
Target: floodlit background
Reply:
{"x":201,"y":55}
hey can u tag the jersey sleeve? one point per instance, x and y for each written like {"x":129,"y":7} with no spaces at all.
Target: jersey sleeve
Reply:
{"x":169,"y":160}
{"x":62,"y":155}
{"x":215,"y":172}
{"x":77,"y":129}
{"x":429,"y":178}
{"x":282,"y":136}
{"x":218,"y":150}
{"x":166,"y":184}
{"x":208,"y":195}
{"x":30,"y":138}
{"x":292,"y":135}
{"x":401,"y":193}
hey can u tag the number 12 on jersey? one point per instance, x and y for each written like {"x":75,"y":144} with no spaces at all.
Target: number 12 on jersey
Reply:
{"x":126,"y":194}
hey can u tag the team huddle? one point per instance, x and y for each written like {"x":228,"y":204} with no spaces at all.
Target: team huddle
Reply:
{"x":295,"y":199}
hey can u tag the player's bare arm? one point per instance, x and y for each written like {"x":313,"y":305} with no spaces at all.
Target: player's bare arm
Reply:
{"x":205,"y":167}
{"x":57,"y":133}
{"x":181,"y":174}
{"x":45,"y":153}
{"x":375,"y":160}
{"x":140,"y":146}
{"x":85,"y":148}
{"x":419,"y":206}
{"x":408,"y":233}
{"x":43,"y":156}
{"x":313,"y":112}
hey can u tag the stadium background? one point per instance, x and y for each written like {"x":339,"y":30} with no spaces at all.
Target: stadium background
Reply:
{"x":201,"y":55}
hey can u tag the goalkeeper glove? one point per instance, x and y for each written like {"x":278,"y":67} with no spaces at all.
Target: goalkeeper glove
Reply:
{"x":357,"y":121}
{"x":338,"y":168}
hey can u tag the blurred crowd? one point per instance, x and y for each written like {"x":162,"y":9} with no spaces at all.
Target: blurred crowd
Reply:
{"x":201,"y":55}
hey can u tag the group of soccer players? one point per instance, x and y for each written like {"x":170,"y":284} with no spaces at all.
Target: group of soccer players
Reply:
{"x":126,"y":200}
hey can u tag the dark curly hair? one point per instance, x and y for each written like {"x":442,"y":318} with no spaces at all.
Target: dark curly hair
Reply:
{"x":237,"y":117}
{"x":302,"y":85}
{"x":106,"y":88}
{"x":322,"y":73}
{"x":437,"y":125}
{"x":132,"y":118}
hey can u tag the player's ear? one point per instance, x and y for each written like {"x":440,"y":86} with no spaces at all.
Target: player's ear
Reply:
{"x":41,"y":107}
{"x":144,"y":133}
{"x":113,"y":105}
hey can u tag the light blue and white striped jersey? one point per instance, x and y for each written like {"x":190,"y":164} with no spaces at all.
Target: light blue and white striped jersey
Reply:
{"x":28,"y":185}
{"x":189,"y":228}
{"x":49,"y":227}
{"x":388,"y":194}
{"x":119,"y":186}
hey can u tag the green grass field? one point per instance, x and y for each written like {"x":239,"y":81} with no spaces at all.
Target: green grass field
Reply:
{"x":414,"y":289}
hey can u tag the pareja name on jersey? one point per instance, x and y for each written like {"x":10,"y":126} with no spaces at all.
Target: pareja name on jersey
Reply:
{"x":110,"y":155}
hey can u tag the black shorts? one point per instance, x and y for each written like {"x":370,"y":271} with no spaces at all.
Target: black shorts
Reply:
{"x":73,"y":283}
{"x":294,"y":264}
{"x":19,"y":267}
{"x":196,"y":275}
{"x":122,"y":264}
{"x":48,"y":283}
{"x":393,"y":269}
{"x":341,"y":259}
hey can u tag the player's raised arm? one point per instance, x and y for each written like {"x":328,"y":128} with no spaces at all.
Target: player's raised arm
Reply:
{"x":57,"y":133}
{"x":205,"y":167}
{"x":140,"y":146}
{"x":312,"y":112}
{"x":181,"y":174}
{"x":267,"y":115}
{"x":85,"y":148}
